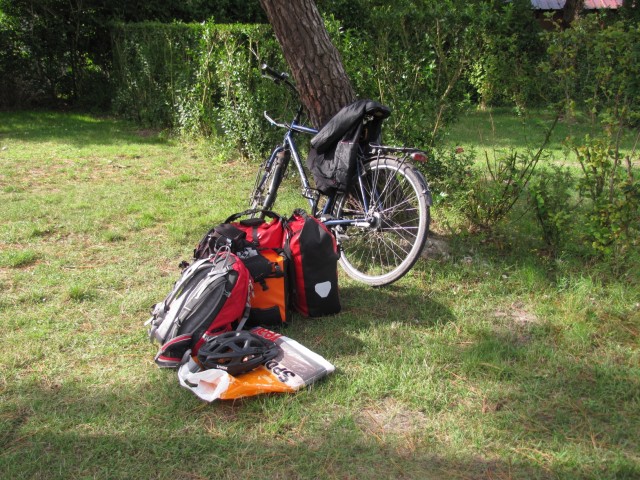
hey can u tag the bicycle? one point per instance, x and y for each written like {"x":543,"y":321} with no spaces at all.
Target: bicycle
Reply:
{"x":381,"y":224}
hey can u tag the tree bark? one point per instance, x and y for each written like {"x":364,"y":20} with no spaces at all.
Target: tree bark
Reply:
{"x":571,"y":11}
{"x":315,"y":62}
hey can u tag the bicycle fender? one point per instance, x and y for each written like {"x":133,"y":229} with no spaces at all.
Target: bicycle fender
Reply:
{"x":425,"y":185}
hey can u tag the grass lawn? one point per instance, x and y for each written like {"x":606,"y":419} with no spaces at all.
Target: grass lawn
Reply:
{"x":502,"y":130}
{"x":486,"y":361}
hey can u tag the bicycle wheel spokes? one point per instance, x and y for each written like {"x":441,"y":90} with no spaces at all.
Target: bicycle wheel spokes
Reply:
{"x":399,"y":213}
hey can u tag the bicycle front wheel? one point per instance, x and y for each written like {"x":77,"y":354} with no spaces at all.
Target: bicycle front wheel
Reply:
{"x":265,"y":190}
{"x":395,"y":197}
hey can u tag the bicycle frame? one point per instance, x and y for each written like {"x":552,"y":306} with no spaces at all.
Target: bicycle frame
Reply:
{"x":312,"y":196}
{"x":308,"y":192}
{"x":288,"y":144}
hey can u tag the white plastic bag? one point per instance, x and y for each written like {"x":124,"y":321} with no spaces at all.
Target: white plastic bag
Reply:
{"x":293,"y":368}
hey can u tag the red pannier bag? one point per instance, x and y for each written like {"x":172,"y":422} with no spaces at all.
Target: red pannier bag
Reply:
{"x":238,"y":235}
{"x":313,"y":256}
{"x":261,"y":233}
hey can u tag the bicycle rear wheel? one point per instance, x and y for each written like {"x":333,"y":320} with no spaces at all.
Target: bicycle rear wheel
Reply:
{"x":398,"y":201}
{"x":266,"y":187}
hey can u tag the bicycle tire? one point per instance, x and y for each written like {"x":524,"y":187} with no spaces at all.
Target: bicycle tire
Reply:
{"x":263,"y":198}
{"x":384,"y":252}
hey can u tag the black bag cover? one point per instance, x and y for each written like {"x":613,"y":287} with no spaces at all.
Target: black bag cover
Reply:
{"x":344,"y":121}
{"x":335,"y":147}
{"x":313,"y":257}
{"x":219,"y":236}
{"x":237,"y":236}
{"x":334,"y":169}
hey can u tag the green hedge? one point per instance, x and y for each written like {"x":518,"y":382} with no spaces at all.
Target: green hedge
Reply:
{"x":197,"y":79}
{"x":203,"y":78}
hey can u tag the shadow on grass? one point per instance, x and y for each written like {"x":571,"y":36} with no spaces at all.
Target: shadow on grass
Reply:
{"x":157,"y":430}
{"x":221,"y":441}
{"x":394,"y":302}
{"x":540,"y":394}
{"x":364,"y":309}
{"x":72,"y":128}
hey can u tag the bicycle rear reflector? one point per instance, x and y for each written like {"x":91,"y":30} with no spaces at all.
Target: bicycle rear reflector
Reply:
{"x":418,"y":157}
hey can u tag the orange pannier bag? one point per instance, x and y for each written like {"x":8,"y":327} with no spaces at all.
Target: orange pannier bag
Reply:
{"x":270,"y":301}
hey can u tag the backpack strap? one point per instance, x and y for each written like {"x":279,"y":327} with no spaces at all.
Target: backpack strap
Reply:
{"x":245,"y":316}
{"x":172,"y":353}
{"x":159,"y":323}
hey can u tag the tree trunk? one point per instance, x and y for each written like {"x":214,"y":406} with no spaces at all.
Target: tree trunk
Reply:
{"x":630,"y":8}
{"x":572,"y":10}
{"x":314,"y":61}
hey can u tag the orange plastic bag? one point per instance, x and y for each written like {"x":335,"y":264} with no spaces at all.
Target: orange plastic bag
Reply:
{"x":294,"y":368}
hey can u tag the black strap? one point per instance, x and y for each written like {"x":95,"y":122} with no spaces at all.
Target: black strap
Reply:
{"x":260,"y":267}
{"x":231,"y":232}
{"x":246,"y":213}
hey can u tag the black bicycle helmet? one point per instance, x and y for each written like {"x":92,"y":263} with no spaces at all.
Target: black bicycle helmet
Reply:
{"x":236,"y":352}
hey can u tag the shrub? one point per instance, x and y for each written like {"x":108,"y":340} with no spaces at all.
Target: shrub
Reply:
{"x":51,"y":54}
{"x":490,"y":193}
{"x":505,"y":70}
{"x":449,"y":171}
{"x":551,"y":194}
{"x":493,"y":191}
{"x":197,"y":78}
{"x":594,"y":66}
{"x":412,"y":59}
{"x":611,"y":192}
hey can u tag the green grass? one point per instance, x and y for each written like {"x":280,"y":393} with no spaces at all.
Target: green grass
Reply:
{"x":502,"y":130}
{"x":489,"y":362}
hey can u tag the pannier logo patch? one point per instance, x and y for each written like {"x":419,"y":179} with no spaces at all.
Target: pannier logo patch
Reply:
{"x":323,"y":289}
{"x":268,"y":334}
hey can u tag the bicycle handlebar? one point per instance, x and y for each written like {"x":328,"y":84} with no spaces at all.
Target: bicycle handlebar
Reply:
{"x":273,"y":122}
{"x":271,"y":74}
